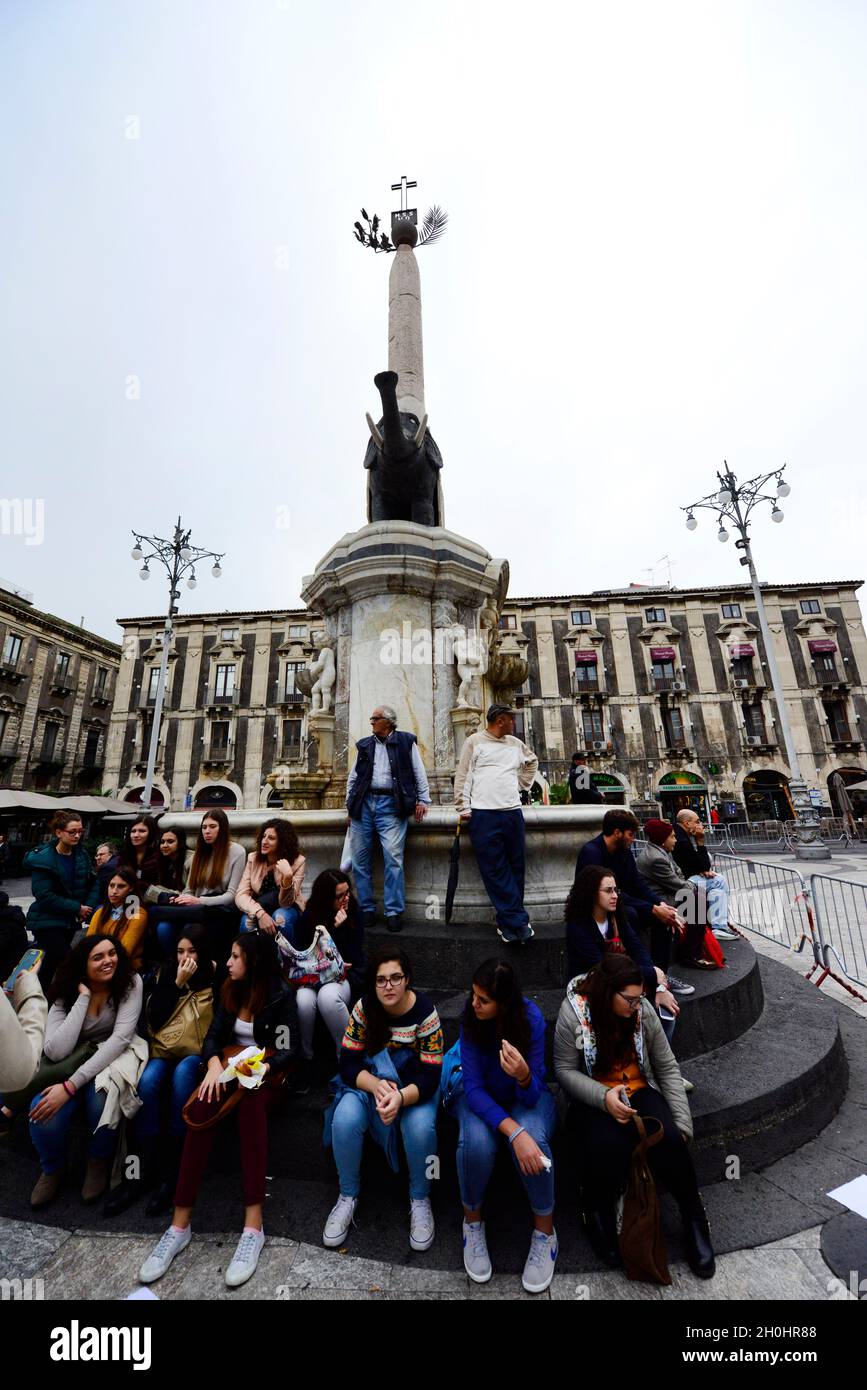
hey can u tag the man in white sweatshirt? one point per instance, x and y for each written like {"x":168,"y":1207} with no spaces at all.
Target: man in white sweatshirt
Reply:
{"x":493,"y":770}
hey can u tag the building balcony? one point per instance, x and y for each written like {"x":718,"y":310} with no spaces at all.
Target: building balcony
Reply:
{"x":678,"y":748}
{"x":93,"y":764}
{"x":747,"y":685}
{"x":828,"y":680}
{"x":758,"y":743}
{"x":148,"y":701}
{"x":216,"y":701}
{"x":12,"y":671}
{"x":102,"y":700}
{"x":843,"y":738}
{"x":290,"y":752}
{"x":218,"y":755}
{"x":598,"y":748}
{"x":8,"y":750}
{"x":669,"y":685}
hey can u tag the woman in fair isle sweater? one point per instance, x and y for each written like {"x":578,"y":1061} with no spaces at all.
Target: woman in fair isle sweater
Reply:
{"x":390,"y":1068}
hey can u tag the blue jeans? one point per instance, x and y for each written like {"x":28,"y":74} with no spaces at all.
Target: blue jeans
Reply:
{"x":379,"y":817}
{"x":717,"y":898}
{"x":477,"y":1150}
{"x":498,"y":840}
{"x":418,"y":1130}
{"x":159,"y":1073}
{"x":286,"y":918}
{"x":49,"y":1138}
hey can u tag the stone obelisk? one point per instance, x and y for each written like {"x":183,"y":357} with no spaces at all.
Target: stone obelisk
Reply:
{"x":405,"y":351}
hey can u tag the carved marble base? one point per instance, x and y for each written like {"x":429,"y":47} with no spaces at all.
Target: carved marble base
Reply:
{"x":320,"y":727}
{"x":465,"y":721}
{"x":306,"y":789}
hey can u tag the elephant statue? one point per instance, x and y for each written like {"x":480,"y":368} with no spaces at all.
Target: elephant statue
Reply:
{"x":404,"y":464}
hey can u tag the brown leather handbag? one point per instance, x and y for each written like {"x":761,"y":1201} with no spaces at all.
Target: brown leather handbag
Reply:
{"x":642,"y":1248}
{"x":232,"y":1093}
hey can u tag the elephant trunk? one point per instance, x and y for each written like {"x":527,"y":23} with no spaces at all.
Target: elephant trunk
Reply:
{"x":397,"y":445}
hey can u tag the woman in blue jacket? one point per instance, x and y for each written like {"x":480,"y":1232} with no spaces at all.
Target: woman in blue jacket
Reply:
{"x":504,"y":1094}
{"x":64,"y":890}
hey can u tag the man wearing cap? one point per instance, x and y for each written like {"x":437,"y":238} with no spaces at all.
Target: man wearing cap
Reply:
{"x":494,"y":768}
{"x":387,"y":786}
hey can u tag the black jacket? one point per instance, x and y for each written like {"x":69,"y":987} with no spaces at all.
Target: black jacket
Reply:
{"x":690,"y":858}
{"x":585,"y":948}
{"x":635,"y":891}
{"x":281,"y":1012}
{"x":398,"y":746}
{"x":165,"y":996}
{"x":583,"y":796}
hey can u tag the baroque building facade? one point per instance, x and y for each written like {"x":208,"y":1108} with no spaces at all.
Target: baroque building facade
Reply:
{"x":665,"y":691}
{"x":57,"y":688}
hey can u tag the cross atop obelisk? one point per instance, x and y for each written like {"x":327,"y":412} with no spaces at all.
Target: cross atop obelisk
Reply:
{"x":405,"y":353}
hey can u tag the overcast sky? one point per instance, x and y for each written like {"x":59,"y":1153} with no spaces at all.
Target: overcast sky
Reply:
{"x":655,"y":260}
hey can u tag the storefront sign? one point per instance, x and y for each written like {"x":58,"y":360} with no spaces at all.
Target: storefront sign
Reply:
{"x":822,"y":644}
{"x":740,"y":650}
{"x":585,"y":658}
{"x":662,"y":654}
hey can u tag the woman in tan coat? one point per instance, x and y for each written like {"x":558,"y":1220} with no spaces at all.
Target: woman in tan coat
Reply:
{"x":269,"y":893}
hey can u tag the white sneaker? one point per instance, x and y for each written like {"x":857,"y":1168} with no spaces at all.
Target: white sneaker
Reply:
{"x":476,"y":1259}
{"x":158,"y":1261}
{"x":723,"y":934}
{"x":539,"y":1269}
{"x":245,"y":1258}
{"x":678,"y":986}
{"x":339,"y":1221}
{"x":421,"y":1224}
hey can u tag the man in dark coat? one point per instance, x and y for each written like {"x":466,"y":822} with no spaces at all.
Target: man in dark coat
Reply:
{"x":581,"y":788}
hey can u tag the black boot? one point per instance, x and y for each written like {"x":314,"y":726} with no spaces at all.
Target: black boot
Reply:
{"x":162,"y":1199}
{"x":600,"y":1227}
{"x":129,"y":1190}
{"x":696,"y":1231}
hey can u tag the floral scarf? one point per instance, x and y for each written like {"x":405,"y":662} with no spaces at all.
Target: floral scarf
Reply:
{"x":585,"y":1038}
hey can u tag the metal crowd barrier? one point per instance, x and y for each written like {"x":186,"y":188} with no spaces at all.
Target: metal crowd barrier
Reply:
{"x":771,"y":901}
{"x":841,"y":911}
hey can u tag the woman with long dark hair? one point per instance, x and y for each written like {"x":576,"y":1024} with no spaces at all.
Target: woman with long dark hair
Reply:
{"x":502,"y":1049}
{"x":64,"y":890}
{"x":598,"y":921}
{"x":140,"y":852}
{"x":269,"y":893}
{"x":183,"y":988}
{"x":256,"y":1008}
{"x":390,"y":1068}
{"x":209,"y":893}
{"x":611,"y":1058}
{"x":174,"y":864}
{"x":331,"y":905}
{"x":97,"y":1001}
{"x":121,"y":915}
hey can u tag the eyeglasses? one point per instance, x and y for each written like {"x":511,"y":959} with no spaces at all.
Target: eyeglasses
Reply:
{"x":376,"y":718}
{"x":383,"y":981}
{"x":338,"y":897}
{"x":633,"y":1000}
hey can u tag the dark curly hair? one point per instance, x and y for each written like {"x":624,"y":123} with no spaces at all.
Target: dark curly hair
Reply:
{"x":499,"y":981}
{"x":319,"y":911}
{"x":584,"y":892}
{"x":72,"y":972}
{"x":287,"y":839}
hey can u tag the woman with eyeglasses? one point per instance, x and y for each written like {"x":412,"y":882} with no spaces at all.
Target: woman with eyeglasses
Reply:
{"x":390,"y":1068}
{"x":333,"y":906}
{"x":612,"y":1059}
{"x":502,"y":1049}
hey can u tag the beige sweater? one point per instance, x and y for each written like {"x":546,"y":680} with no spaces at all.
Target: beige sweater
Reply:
{"x":492,"y":772}
{"x":22,"y":1030}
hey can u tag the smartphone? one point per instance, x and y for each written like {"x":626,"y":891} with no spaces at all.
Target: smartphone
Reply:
{"x":31,"y":960}
{"x":624,"y":1097}
{"x":666,"y":1015}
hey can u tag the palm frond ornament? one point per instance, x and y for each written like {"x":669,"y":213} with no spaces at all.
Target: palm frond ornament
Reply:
{"x":432,"y":228}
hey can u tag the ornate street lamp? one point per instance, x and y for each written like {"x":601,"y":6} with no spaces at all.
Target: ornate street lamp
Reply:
{"x":176,"y":556}
{"x":734,"y":502}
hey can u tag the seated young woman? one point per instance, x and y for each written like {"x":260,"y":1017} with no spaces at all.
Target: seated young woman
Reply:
{"x":269,"y":893}
{"x":596,"y":922}
{"x":173,"y":867}
{"x":140,"y":853}
{"x":97,"y":1000}
{"x":333,"y":906}
{"x":255,"y":1007}
{"x":502,"y":1047}
{"x":209,"y":895}
{"x":611,"y":1059}
{"x":390,"y":1068}
{"x":121,"y":915}
{"x":155,"y":1139}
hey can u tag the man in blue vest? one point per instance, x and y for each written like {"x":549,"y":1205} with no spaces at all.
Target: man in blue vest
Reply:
{"x":387,"y":785}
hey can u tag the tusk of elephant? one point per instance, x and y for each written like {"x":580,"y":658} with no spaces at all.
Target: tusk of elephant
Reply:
{"x":375,"y":434}
{"x":419,"y":434}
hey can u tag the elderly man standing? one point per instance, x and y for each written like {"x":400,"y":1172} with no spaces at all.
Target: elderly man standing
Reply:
{"x":693,"y":859}
{"x":387,"y":785}
{"x":493,"y":770}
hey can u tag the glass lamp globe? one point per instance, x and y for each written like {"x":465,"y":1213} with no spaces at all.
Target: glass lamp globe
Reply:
{"x":783,"y":488}
{"x":192,"y":581}
{"x":776,"y":514}
{"x":722,"y":534}
{"x":725,"y":497}
{"x":144,"y":572}
{"x":691,"y":522}
{"x":136,"y":553}
{"x":216,"y":571}
{"x":186,"y":553}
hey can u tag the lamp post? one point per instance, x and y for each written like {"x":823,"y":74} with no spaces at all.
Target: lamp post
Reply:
{"x":734,"y":502}
{"x":177,"y":557}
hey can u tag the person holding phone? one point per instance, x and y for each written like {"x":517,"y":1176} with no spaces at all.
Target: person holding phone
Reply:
{"x":97,"y":1001}
{"x":173,"y":866}
{"x":611,"y":1059}
{"x":502,"y":1048}
{"x":64,"y":890}
{"x":22,"y":1031}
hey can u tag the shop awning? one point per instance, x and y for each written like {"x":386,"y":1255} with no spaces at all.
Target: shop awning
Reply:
{"x":85,"y":805}
{"x":822,"y":644}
